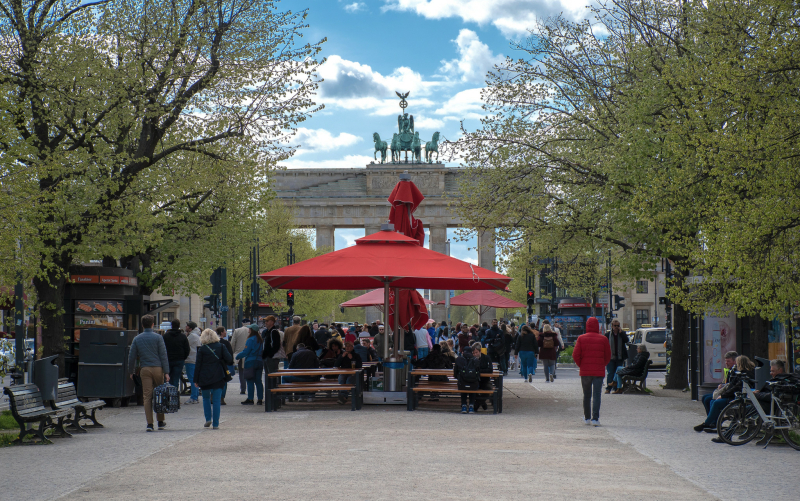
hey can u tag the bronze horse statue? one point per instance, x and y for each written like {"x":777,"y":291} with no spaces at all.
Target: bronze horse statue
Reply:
{"x":379,"y":146}
{"x":431,"y":146}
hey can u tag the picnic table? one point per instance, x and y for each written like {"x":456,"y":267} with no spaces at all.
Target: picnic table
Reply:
{"x":276,"y":386}
{"x":451,"y":386}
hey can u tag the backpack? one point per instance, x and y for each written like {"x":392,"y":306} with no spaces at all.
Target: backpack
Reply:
{"x":499,"y":343}
{"x":471,"y":372}
{"x":547,"y":342}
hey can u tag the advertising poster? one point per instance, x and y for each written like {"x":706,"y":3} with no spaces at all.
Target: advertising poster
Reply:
{"x":777,"y":340}
{"x":719,"y":337}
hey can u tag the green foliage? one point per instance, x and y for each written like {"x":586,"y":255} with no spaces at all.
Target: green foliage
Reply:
{"x":7,"y":421}
{"x":144,"y":131}
{"x":565,"y":356}
{"x":660,"y":129}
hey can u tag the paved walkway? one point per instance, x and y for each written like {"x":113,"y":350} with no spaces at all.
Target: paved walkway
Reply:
{"x":538,"y":448}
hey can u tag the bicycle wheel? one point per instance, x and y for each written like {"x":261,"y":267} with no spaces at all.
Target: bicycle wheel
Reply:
{"x":738,"y":423}
{"x":792,"y":435}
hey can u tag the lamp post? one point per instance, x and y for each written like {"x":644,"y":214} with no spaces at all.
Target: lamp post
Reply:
{"x":447,"y":297}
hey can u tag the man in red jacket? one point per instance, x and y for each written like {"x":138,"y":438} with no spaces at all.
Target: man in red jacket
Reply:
{"x":591,"y":354}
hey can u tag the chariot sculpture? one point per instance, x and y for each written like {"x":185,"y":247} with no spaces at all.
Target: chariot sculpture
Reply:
{"x":406,"y":140}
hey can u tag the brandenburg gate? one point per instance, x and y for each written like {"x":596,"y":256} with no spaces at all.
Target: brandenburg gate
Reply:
{"x":326,"y":199}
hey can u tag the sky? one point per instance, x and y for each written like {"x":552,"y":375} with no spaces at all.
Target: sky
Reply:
{"x":438,"y":50}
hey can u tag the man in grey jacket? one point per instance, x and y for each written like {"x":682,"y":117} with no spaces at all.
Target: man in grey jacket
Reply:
{"x":148,"y":347}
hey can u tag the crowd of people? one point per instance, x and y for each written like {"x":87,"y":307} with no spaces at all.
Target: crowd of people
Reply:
{"x":208,"y":357}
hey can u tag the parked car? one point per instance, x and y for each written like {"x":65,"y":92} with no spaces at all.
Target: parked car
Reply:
{"x":655,"y":338}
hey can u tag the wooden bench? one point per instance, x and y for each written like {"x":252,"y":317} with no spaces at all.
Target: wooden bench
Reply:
{"x":414,"y":388}
{"x":275,"y":386}
{"x":67,"y":398}
{"x":27,"y":407}
{"x":629,"y":383}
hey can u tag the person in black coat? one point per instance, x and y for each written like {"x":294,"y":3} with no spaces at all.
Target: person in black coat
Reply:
{"x":177,"y":345}
{"x":209,"y":374}
{"x":349,"y":359}
{"x":636,"y":369}
{"x":272,"y":345}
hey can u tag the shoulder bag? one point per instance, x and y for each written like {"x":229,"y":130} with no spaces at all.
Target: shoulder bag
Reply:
{"x":226,"y":374}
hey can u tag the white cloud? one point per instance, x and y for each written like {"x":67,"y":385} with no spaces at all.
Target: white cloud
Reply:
{"x":312,"y":140}
{"x":423,"y":122}
{"x":355,"y":7}
{"x":466,"y":104}
{"x":512,"y":17}
{"x":352,"y":85}
{"x":470,"y":260}
{"x":475,"y":58}
{"x":349,"y":161}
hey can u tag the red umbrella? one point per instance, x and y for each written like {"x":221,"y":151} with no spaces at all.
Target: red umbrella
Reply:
{"x":405,"y":198}
{"x":385,"y":258}
{"x":372,"y":298}
{"x":483,"y":300}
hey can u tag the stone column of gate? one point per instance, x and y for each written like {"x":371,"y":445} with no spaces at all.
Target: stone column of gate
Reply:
{"x":372,"y":314}
{"x":486,"y":257}
{"x":325,"y":236}
{"x":438,"y":244}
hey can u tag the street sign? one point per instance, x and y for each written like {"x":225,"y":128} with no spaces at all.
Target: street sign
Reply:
{"x":224,"y":309}
{"x":452,"y":294}
{"x":203,"y":319}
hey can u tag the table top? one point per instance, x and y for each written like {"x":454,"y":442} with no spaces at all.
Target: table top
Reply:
{"x":313,"y":372}
{"x":446,"y":372}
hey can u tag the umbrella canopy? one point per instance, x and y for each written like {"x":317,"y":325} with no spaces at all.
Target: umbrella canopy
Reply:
{"x":385,"y":257}
{"x":482,"y":300}
{"x":371,"y":298}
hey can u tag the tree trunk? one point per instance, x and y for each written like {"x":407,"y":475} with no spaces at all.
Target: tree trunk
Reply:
{"x":50,"y":294}
{"x":678,"y":370}
{"x":759,"y":337}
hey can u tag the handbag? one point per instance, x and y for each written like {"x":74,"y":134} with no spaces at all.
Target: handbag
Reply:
{"x":226,"y":374}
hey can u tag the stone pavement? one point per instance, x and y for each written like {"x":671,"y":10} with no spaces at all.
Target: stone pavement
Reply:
{"x":539,"y":448}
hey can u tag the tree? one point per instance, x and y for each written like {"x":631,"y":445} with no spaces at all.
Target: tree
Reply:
{"x":124,"y":120}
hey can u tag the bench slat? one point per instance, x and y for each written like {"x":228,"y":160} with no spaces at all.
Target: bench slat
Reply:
{"x":300,"y":389}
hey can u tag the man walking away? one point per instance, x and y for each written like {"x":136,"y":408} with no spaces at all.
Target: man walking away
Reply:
{"x":148,"y":347}
{"x":193,"y":335}
{"x":618,"y":341}
{"x":592,"y":354}
{"x":177,"y":351}
{"x":238,"y":340}
{"x":422,"y":342}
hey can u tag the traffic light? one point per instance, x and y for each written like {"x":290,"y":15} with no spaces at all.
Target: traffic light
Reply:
{"x":531,"y":298}
{"x":211,"y":302}
{"x":290,"y":298}
{"x":618,"y":304}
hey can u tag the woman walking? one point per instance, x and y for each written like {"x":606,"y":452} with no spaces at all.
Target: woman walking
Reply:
{"x":209,"y":374}
{"x":527,"y":348}
{"x":548,"y":351}
{"x":253,"y":366}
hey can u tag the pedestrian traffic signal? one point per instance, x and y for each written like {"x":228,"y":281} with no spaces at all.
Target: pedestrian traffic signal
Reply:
{"x":289,"y":298}
{"x":618,"y":304}
{"x":531,"y":298}
{"x":211,"y":303}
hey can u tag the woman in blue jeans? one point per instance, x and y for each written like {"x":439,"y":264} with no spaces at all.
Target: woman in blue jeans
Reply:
{"x":527,"y":347}
{"x":209,"y":375}
{"x":253,"y":365}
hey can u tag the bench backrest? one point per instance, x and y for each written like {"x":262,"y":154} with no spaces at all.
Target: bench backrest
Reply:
{"x":66,"y":392}
{"x":24,"y":398}
{"x":647,"y":368}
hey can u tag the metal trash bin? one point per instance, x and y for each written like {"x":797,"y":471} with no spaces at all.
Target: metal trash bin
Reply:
{"x":762,"y":372}
{"x":632,"y":350}
{"x":103,"y":370}
{"x":45,"y":376}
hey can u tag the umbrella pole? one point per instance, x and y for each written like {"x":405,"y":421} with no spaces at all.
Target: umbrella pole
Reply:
{"x":385,"y":347}
{"x":397,"y":338}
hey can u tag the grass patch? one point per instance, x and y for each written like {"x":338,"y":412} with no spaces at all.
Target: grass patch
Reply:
{"x":7,"y":421}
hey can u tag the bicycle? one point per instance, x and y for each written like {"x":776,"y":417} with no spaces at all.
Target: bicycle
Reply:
{"x":744,"y":418}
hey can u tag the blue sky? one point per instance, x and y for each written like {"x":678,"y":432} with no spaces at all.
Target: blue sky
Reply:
{"x":439,"y":50}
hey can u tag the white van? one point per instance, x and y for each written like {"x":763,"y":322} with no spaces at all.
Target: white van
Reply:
{"x":654,"y":338}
